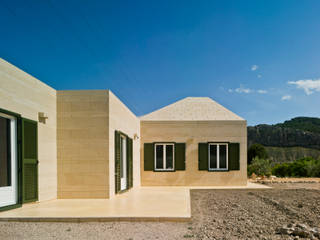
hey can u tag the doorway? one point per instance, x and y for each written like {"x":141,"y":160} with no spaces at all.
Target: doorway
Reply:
{"x":123,"y":162}
{"x":123,"y":154}
{"x":8,"y":160}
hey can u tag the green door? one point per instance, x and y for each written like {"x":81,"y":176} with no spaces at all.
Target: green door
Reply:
{"x":29,"y":160}
{"x":123,"y":162}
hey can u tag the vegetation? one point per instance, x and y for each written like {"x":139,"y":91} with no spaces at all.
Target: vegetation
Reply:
{"x":303,"y":123}
{"x":281,"y":170}
{"x":304,"y":167}
{"x":260,"y":167}
{"x":188,"y":236}
{"x":256,"y":150}
{"x":290,"y":154}
{"x":297,"y":132}
{"x":281,"y":149}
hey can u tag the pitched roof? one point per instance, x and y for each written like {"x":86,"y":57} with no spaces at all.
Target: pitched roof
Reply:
{"x":192,"y":109}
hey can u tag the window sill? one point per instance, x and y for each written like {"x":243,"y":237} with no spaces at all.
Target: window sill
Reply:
{"x":218,"y":170}
{"x":157,"y":170}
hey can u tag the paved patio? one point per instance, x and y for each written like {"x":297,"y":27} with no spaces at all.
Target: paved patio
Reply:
{"x":141,"y":204}
{"x":145,"y":203}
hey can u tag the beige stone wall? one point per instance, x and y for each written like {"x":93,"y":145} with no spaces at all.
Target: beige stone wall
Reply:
{"x":76,"y":145}
{"x":26,"y":95}
{"x":82,"y":140}
{"x":87,"y":121}
{"x":192,"y":133}
{"x":122,"y":119}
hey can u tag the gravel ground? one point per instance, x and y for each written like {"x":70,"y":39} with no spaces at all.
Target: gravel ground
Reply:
{"x":217,"y":214}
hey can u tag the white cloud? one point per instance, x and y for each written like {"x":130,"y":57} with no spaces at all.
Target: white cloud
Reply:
{"x":286,"y":97}
{"x":308,"y":85}
{"x":262,"y":91}
{"x":241,"y":89}
{"x":259,"y":76}
{"x":254,"y":67}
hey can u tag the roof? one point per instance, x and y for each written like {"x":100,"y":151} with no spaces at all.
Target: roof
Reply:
{"x":192,"y":109}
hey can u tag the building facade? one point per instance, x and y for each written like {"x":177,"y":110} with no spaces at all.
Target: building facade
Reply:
{"x":88,"y":144}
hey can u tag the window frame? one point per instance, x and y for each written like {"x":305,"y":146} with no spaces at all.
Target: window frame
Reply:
{"x":164,"y":157}
{"x":12,"y":159}
{"x":218,"y":169}
{"x":19,"y":159}
{"x":123,"y":162}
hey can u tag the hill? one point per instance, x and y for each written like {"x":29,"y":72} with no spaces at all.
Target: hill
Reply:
{"x":302,"y":123}
{"x":297,"y":132}
{"x":289,"y":154}
{"x":289,"y":140}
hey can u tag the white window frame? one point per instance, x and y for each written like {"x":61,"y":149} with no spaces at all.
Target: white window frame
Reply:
{"x":9,"y":194}
{"x":123,"y":166}
{"x":218,"y":157}
{"x":164,"y":157}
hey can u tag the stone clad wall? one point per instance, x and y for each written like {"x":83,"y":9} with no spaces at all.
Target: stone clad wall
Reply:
{"x":23,"y":94}
{"x":83,"y":144}
{"x":191,"y":133}
{"x":122,"y":119}
{"x":76,"y":144}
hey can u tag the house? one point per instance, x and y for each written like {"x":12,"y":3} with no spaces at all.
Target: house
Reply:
{"x":88,"y":144}
{"x":193,"y":142}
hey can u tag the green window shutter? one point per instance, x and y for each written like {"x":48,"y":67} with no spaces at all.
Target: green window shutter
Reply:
{"x":234,"y":156}
{"x":29,"y":160}
{"x":148,"y":157}
{"x":117,"y":161}
{"x":203,"y":156}
{"x":180,"y":156}
{"x":130,"y":163}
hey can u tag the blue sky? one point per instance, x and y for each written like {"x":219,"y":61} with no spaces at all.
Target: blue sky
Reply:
{"x":258,"y":58}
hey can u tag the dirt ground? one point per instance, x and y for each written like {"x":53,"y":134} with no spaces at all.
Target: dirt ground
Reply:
{"x":217,"y":214}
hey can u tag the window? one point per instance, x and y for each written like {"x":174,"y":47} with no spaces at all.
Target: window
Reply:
{"x":8,"y":160}
{"x":218,"y":156}
{"x":164,"y":156}
{"x":5,"y":152}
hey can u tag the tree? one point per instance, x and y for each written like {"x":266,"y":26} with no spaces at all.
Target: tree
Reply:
{"x":282,"y":170}
{"x":256,"y":150}
{"x":260,"y":167}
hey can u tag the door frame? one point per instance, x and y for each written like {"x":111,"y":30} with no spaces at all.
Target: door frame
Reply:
{"x":124,"y":167}
{"x":18,"y":159}
{"x":129,"y":168}
{"x":11,"y":190}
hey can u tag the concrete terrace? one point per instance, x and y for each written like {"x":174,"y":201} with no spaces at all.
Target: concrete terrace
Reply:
{"x":141,"y":204}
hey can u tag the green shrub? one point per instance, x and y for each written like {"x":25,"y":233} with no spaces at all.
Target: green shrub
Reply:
{"x":304,"y":167}
{"x":260,"y":167}
{"x":316,"y":169}
{"x":281,"y":170}
{"x":256,"y":150}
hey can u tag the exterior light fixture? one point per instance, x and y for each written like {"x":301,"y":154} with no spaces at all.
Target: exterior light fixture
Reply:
{"x":135,"y":136}
{"x":42,"y":117}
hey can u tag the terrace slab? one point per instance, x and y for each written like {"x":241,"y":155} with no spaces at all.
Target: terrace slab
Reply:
{"x":140,"y":204}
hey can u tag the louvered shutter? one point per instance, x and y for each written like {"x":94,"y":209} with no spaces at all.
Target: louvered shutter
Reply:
{"x":148,"y":156}
{"x":30,"y":160}
{"x":234,"y":156}
{"x":203,"y":156}
{"x":117,"y":161}
{"x":180,"y":156}
{"x":130,"y":163}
